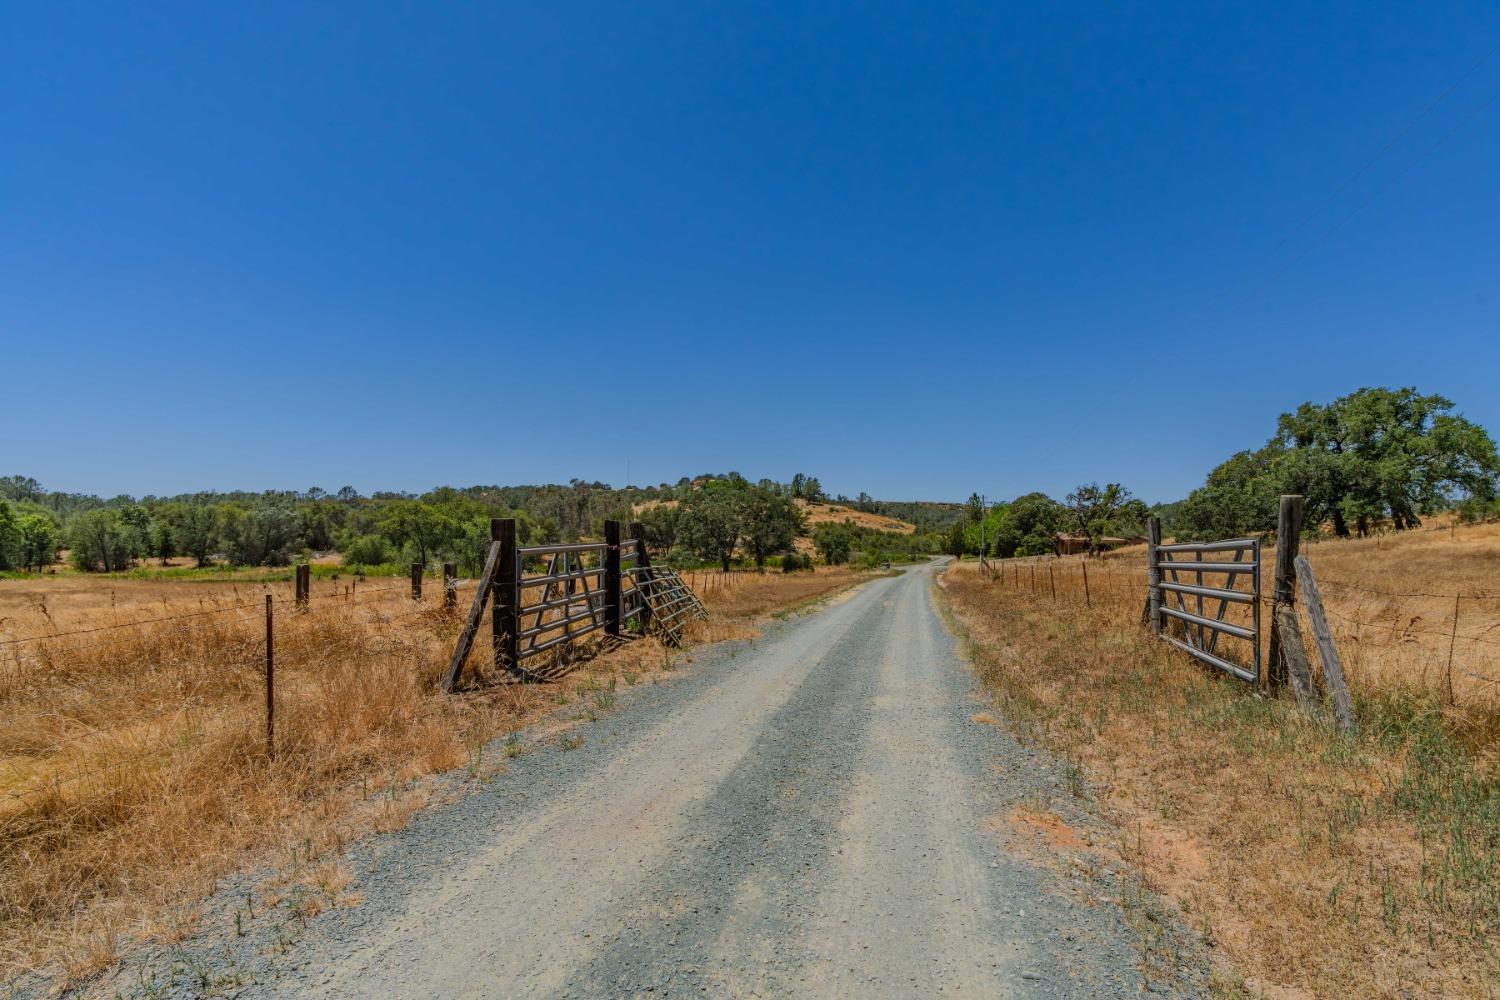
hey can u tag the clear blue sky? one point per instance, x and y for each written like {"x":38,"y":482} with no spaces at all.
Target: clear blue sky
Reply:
{"x":913,"y":249}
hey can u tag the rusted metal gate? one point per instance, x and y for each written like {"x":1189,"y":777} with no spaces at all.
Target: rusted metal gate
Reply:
{"x":671,"y":602}
{"x":1226,"y":564}
{"x":574,"y":590}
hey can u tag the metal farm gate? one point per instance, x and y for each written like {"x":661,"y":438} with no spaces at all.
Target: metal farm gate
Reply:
{"x":575,"y":589}
{"x":1234,"y":560}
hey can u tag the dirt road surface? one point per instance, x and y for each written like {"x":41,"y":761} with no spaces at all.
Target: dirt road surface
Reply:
{"x":815,"y":813}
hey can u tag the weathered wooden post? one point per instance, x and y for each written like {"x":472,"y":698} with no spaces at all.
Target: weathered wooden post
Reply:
{"x":1283,"y":594}
{"x":505,"y":619}
{"x":1088,"y":601}
{"x":1153,"y":573}
{"x":450,"y":586}
{"x":1288,"y":656}
{"x":612,"y":589}
{"x":416,"y":581}
{"x":302,"y":584}
{"x":642,"y":561}
{"x":1333,"y":667}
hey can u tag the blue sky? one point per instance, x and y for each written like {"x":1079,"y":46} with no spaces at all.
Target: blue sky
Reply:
{"x":914,"y":249}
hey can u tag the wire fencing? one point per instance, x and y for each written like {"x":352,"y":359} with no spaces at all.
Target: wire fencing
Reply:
{"x":86,"y":702}
{"x":1416,"y":636}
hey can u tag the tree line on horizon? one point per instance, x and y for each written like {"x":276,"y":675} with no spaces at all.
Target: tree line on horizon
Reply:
{"x":1376,"y":457}
{"x":1372,"y":458}
{"x":715,"y":517}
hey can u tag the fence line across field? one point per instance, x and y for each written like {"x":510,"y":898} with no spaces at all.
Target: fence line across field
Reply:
{"x":620,"y":590}
{"x":204,"y":613}
{"x":1172,"y":581}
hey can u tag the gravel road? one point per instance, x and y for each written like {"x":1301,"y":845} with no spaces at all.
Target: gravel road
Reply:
{"x":811,"y":814}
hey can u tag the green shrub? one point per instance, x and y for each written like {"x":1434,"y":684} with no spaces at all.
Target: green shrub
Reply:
{"x":367,"y":550}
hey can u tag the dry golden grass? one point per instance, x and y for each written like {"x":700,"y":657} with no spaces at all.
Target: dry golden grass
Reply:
{"x":133,"y":769}
{"x":833,"y":513}
{"x":1315,"y":865}
{"x":823,"y":513}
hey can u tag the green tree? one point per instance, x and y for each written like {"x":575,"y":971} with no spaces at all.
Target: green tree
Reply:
{"x":21,"y":488}
{"x":769,"y":523}
{"x":137,"y":522}
{"x":1239,"y":498}
{"x":319,"y":523}
{"x":419,"y":527}
{"x":1096,"y":511}
{"x":196,"y":530}
{"x":1372,"y":454}
{"x":12,"y":544}
{"x":163,"y":541}
{"x":956,"y":542}
{"x":974,"y":508}
{"x":834,"y":542}
{"x":659,"y":523}
{"x":711,"y":520}
{"x":100,"y":540}
{"x":1028,"y":526}
{"x":40,"y":539}
{"x":374,"y":550}
{"x":259,"y":536}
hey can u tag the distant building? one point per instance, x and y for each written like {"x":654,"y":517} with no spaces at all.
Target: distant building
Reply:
{"x":1064,"y":544}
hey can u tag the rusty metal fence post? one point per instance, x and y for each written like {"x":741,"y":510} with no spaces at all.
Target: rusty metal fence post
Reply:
{"x":642,"y":561}
{"x":612,"y":589}
{"x":270,"y":686}
{"x":1153,"y":587}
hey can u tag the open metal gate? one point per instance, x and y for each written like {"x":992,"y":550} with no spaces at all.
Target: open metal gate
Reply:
{"x":1226,"y":564}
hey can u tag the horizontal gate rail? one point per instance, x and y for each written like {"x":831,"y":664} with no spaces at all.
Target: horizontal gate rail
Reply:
{"x":1217,"y":593}
{"x":1232,"y":568}
{"x":537,"y":581}
{"x":547,"y":550}
{"x":1210,"y":623}
{"x":1216,"y":661}
{"x":1229,"y":545}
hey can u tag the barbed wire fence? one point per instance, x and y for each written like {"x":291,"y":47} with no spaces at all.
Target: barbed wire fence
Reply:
{"x":1357,"y":606}
{"x":229,"y":662}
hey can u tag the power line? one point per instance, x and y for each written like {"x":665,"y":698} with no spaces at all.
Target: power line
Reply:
{"x":1405,"y":131}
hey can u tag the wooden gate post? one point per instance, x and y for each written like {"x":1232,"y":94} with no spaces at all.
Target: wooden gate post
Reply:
{"x":1153,"y":573}
{"x":642,"y":559}
{"x":1283,"y":593}
{"x":612,"y":587}
{"x":416,"y":581}
{"x":505,"y":619}
{"x":450,"y":586}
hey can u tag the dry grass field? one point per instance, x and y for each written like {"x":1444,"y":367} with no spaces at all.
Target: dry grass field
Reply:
{"x":1315,"y":864}
{"x":824,"y":513}
{"x":833,"y":513}
{"x":133,"y":765}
